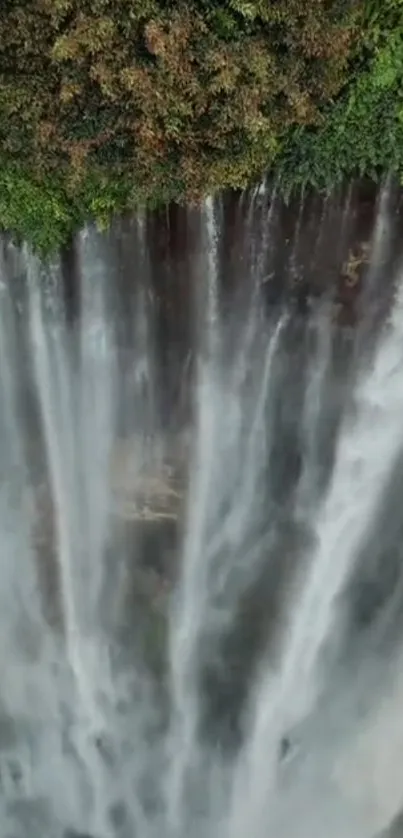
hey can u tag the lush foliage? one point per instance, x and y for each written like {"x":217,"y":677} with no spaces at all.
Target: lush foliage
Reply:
{"x":105,"y":104}
{"x":361,"y":132}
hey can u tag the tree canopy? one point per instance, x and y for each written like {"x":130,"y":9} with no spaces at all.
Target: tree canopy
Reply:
{"x":107,"y":104}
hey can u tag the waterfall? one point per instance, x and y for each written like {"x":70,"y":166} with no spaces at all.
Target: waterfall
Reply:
{"x":181,"y":640}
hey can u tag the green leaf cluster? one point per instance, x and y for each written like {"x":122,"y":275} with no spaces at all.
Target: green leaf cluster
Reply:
{"x":361,"y":131}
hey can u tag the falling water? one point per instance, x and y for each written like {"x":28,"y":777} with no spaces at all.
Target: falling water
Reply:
{"x":181,"y":649}
{"x":355,"y":493}
{"x":294,"y":270}
{"x":212,"y":274}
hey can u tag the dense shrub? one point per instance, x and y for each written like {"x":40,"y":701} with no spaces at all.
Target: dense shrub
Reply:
{"x":361,"y":132}
{"x":105,"y":104}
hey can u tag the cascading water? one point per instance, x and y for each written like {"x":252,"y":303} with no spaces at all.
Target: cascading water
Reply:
{"x":182,"y":642}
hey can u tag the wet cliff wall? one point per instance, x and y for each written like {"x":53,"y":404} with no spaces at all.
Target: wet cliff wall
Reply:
{"x":313,"y":247}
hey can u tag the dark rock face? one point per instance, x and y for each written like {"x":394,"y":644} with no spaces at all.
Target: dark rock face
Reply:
{"x":395,"y":828}
{"x":284,"y":748}
{"x":71,"y":833}
{"x":318,"y":245}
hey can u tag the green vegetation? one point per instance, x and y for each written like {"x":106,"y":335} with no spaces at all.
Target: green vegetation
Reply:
{"x":108,"y":104}
{"x":361,"y":131}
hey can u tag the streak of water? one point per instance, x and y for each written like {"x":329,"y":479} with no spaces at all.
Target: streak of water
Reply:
{"x":212,"y":578}
{"x":212,"y":273}
{"x":21,"y":620}
{"x":358,"y":482}
{"x":380,"y":241}
{"x":293,"y":265}
{"x":313,"y":407}
{"x":96,"y":403}
{"x":344,"y":222}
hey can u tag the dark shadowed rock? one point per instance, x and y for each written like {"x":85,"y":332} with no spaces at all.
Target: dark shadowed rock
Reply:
{"x":71,"y":833}
{"x":284,"y":748}
{"x":395,"y":828}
